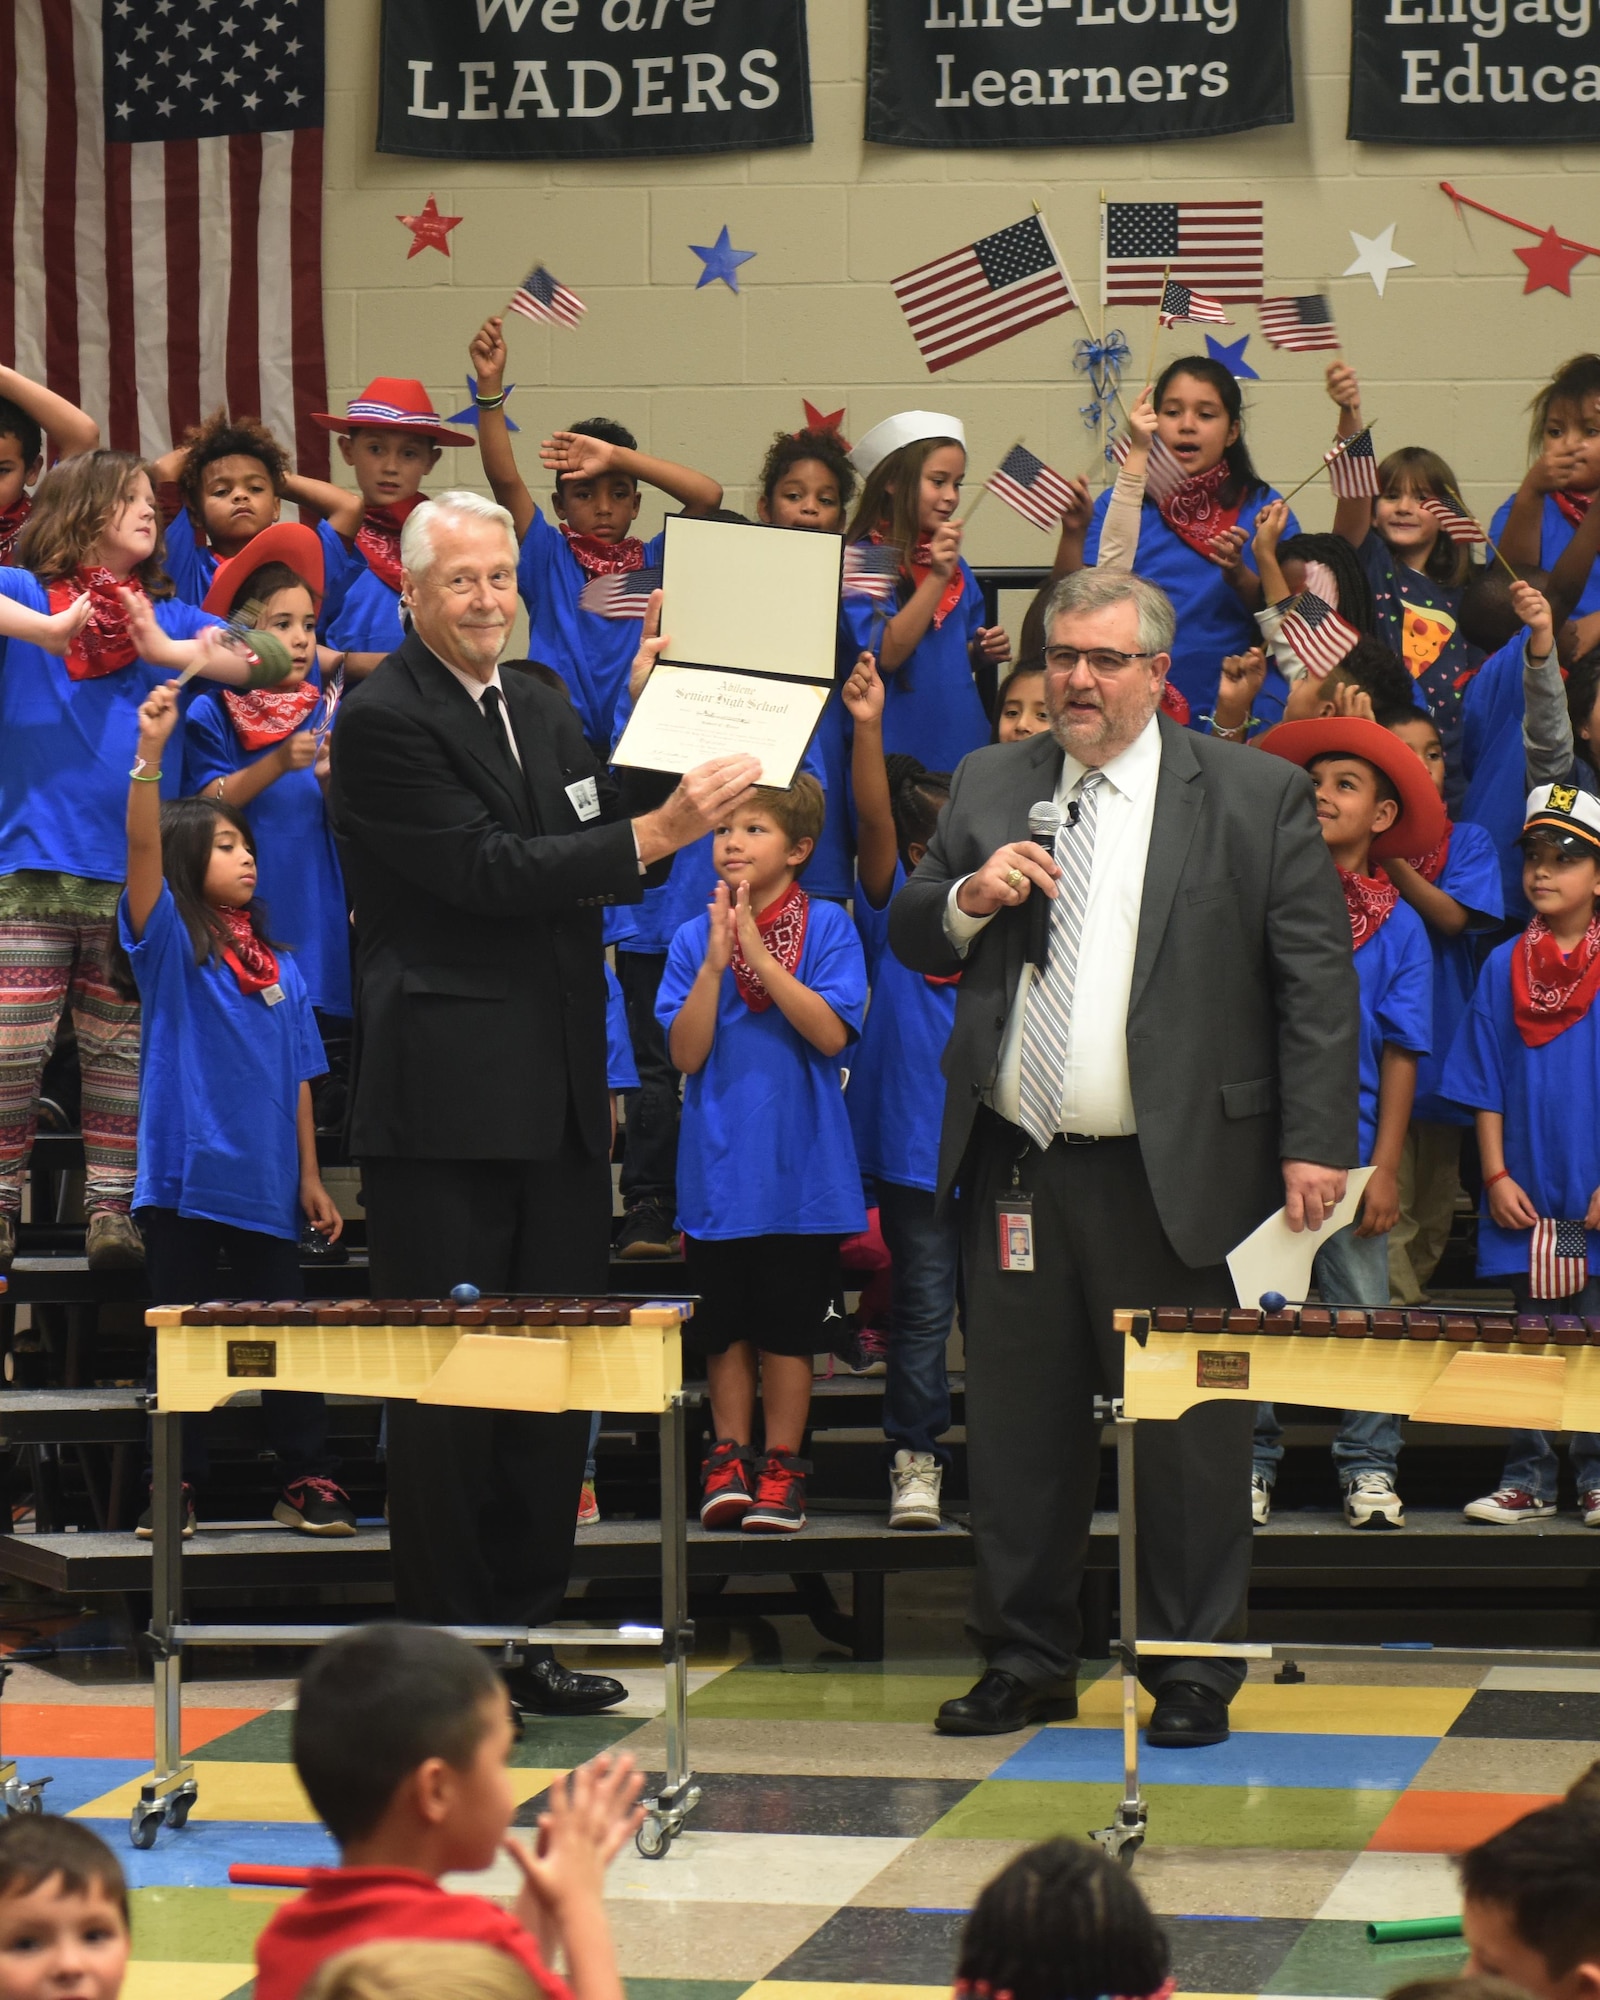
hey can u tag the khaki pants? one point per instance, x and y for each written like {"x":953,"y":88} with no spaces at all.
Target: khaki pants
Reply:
{"x":1430,"y":1182}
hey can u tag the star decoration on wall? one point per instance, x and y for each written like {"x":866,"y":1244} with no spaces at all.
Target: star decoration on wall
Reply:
{"x":469,"y":415}
{"x":430,"y":230}
{"x":721,"y":260}
{"x":1550,"y":263}
{"x":1231,"y":354}
{"x":817,"y":420}
{"x":1376,"y":257}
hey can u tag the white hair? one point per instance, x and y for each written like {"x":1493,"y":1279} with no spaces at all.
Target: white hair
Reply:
{"x":422,"y":523}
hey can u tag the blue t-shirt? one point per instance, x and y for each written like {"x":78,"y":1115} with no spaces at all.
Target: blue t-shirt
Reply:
{"x":219,"y":1082}
{"x":1495,"y":765}
{"x":764,"y":1148}
{"x":298,"y":865}
{"x":1416,"y":618}
{"x":342,"y":563}
{"x":621,"y":1071}
{"x":1395,"y":970}
{"x":1471,"y":874}
{"x":896,"y":1094}
{"x":591,"y":654}
{"x":1546,"y":1097}
{"x":366,"y":612}
{"x":189,"y":563}
{"x":931,"y":708}
{"x":1213,"y":620}
{"x":66,"y":747}
{"x":1555,"y":532}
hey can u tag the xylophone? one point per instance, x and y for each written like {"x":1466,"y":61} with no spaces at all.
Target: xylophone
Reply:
{"x":624,"y":1355}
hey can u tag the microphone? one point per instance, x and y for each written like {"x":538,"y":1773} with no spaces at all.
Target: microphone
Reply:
{"x":1044,"y":823}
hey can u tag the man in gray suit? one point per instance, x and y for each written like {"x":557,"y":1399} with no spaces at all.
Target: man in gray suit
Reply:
{"x":1183,"y":1062}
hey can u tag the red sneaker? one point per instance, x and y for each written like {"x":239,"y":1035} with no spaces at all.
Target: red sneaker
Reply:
{"x":725,"y":1485}
{"x":780,"y":1502}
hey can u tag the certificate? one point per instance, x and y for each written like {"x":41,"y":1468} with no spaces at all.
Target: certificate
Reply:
{"x":687,"y":715}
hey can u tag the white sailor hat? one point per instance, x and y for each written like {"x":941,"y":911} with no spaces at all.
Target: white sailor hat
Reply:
{"x":1565,"y":815}
{"x":910,"y":427}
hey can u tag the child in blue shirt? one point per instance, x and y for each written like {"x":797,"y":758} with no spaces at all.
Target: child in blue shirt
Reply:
{"x":599,"y":469}
{"x":1374,"y":801}
{"x":227,"y":1145}
{"x":928,"y":647}
{"x":760,"y":999}
{"x":1553,"y":505}
{"x":1526,"y":1063}
{"x":895,"y":1101}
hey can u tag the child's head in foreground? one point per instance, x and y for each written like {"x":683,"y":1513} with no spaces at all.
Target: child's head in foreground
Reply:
{"x":605,"y":505}
{"x":63,"y":1912}
{"x":21,"y":453}
{"x":1531,"y":1901}
{"x":231,"y":479}
{"x":1063,"y":1923}
{"x":420,"y":1969}
{"x":403,"y":1732}
{"x":768,"y":836}
{"x":1021,"y":711}
{"x":806,"y":482}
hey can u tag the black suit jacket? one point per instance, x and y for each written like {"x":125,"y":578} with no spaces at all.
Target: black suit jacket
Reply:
{"x":1244,"y":1014}
{"x":480,"y":985}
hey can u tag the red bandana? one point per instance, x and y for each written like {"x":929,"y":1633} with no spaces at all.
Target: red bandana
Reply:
{"x":1370,"y":900}
{"x":104,"y":645}
{"x":261,"y":716}
{"x":1430,"y":866}
{"x":1573,"y":505}
{"x":12,"y":523}
{"x":255,"y":965}
{"x":378,"y":539}
{"x":597,"y":558}
{"x":1550,"y":992}
{"x":783,"y":931}
{"x":1195,"y":514}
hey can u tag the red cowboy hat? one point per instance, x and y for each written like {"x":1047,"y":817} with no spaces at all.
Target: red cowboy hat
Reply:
{"x":393,"y":403}
{"x":1421,"y":822}
{"x":297,"y":547}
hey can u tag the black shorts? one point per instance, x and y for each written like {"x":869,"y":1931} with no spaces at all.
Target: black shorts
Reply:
{"x":773,"y":1291}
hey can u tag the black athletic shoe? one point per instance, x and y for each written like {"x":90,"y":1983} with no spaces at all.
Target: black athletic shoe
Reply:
{"x":316,"y":1507}
{"x":646,"y":1232}
{"x":146,"y":1529}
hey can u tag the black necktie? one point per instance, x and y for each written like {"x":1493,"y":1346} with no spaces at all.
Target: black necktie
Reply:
{"x":493,"y":710}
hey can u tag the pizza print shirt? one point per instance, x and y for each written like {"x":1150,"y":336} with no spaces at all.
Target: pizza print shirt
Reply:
{"x":1417,"y":620}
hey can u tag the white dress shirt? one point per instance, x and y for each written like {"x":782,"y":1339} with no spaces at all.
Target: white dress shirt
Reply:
{"x":477,"y":689}
{"x":1098,"y":1097}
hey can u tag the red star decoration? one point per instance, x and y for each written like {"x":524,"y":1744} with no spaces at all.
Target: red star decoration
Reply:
{"x":816,"y":421}
{"x":1550,"y":263}
{"x":430,"y":230}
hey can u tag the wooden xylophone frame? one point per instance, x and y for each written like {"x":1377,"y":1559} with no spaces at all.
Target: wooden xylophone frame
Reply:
{"x":1503,"y":1340}
{"x":464,"y":1352}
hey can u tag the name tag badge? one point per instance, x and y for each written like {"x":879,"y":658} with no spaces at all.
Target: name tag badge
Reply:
{"x":1014,"y":1232}
{"x":585,"y":797}
{"x":272,"y":994}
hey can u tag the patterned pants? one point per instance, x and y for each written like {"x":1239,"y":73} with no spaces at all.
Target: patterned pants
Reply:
{"x":47,"y":963}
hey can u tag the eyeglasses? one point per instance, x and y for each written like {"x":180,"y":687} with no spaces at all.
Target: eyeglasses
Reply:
{"x":1103,"y":661}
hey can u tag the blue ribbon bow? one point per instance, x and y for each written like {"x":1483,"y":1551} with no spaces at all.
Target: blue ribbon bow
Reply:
{"x":1102,"y":361}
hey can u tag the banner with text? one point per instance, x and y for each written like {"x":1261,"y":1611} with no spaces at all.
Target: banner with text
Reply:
{"x":1074,"y":72}
{"x":1475,"y":72}
{"x":592,"y":79}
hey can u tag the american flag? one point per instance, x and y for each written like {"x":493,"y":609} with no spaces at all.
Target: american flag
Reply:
{"x":1459,"y":526}
{"x":984,"y":293}
{"x":1181,"y":302}
{"x":872,"y":569}
{"x":542,"y":297}
{"x":1217,"y":245}
{"x":1036,"y":491}
{"x":1163,"y":474}
{"x":1558,"y":1259}
{"x":1315,"y":633}
{"x":161,"y":213}
{"x":1353,"y":467}
{"x":625,"y":594}
{"x":1302,"y":325}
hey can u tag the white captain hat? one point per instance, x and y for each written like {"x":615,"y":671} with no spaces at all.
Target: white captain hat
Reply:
{"x":1565,"y":816}
{"x":910,"y":427}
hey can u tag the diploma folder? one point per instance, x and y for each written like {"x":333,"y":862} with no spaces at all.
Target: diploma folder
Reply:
{"x":752,"y":614}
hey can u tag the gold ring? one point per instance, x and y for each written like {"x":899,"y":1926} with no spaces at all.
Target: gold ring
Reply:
{"x":1014,"y":878}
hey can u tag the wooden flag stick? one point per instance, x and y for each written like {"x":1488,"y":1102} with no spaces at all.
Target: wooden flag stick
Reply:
{"x":983,"y":490}
{"x":1500,"y":559}
{"x":1155,"y":337}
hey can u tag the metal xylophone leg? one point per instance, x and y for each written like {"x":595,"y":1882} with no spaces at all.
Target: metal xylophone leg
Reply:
{"x":19,"y":1795}
{"x":678,"y":1797}
{"x":170,"y":1792}
{"x":1123,"y":1838}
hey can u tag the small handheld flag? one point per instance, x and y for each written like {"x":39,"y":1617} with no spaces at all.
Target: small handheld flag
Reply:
{"x":1164,"y":473}
{"x":1558,"y":1259}
{"x":541,"y":297}
{"x":1302,"y":325}
{"x":872,"y":569}
{"x":1026,"y":483}
{"x":1179,"y":302}
{"x":625,"y":595}
{"x":1315,"y":633}
{"x":1353,"y":467}
{"x":1460,"y":527}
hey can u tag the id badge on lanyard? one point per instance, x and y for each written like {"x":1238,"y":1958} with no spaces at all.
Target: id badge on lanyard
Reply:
{"x":1013,"y":1214}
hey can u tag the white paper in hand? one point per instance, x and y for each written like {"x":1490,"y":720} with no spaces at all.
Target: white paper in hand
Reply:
{"x":1276,"y":1258}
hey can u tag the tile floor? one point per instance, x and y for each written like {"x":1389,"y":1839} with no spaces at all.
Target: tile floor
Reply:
{"x":840,"y":1841}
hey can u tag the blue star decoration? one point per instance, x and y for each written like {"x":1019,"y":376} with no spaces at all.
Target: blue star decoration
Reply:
{"x":721,"y":260}
{"x":1231,"y":355}
{"x":470,"y":414}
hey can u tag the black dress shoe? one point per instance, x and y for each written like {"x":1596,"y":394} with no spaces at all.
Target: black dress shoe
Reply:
{"x":1186,"y":1717}
{"x":547,"y":1688}
{"x":1000,"y":1704}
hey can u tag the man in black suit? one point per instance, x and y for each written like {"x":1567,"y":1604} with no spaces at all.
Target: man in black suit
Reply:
{"x":481,"y":839}
{"x":1185,"y":1064}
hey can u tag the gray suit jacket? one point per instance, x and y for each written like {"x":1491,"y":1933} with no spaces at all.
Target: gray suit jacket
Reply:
{"x":1244,"y":1014}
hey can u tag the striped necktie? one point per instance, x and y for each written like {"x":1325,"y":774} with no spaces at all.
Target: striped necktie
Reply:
{"x":1049,"y":1016}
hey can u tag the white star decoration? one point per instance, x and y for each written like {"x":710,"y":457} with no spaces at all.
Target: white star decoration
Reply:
{"x":1376,"y":257}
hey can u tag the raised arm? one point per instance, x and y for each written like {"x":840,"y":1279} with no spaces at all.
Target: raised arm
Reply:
{"x":1352,"y":519}
{"x":487,"y":353}
{"x":907,"y":629}
{"x":68,"y":428}
{"x":158,"y":716}
{"x":338,"y":505}
{"x":570,"y":456}
{"x":877,"y":850}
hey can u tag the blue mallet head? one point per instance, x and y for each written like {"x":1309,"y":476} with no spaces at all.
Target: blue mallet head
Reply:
{"x":1273,"y":1302}
{"x":465,"y":1295}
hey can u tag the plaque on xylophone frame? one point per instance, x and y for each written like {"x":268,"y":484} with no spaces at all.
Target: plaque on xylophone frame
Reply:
{"x":494,"y":1353}
{"x":1534,"y":1371}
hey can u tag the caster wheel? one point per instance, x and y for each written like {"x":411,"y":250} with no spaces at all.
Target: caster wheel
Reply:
{"x":652,"y":1840}
{"x":33,"y":1803}
{"x":1129,"y":1850}
{"x":179,"y":1807}
{"x":143,"y":1828}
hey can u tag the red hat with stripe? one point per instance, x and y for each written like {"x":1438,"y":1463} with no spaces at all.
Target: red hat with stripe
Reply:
{"x":393,"y":403}
{"x":1420,"y":824}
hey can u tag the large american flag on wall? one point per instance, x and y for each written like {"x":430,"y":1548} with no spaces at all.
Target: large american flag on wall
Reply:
{"x":161,"y":212}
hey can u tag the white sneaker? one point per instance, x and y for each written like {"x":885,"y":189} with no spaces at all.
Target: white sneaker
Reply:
{"x":1260,"y":1500}
{"x":1370,"y":1501}
{"x":1507,"y":1505}
{"x":914,"y":1490}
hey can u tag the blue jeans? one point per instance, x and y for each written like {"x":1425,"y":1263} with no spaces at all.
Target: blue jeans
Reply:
{"x":916,"y":1396}
{"x":1350,"y":1270}
{"x":1531,"y":1461}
